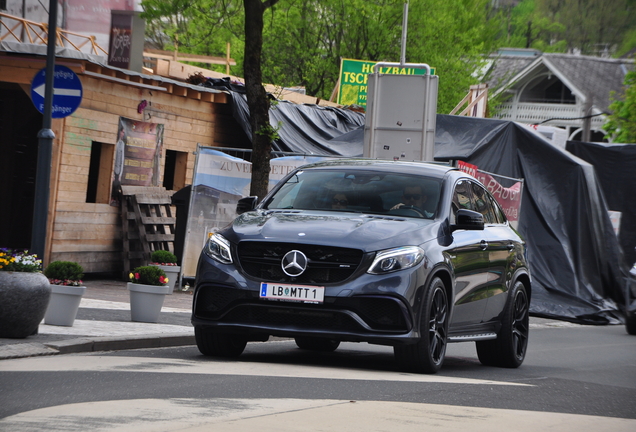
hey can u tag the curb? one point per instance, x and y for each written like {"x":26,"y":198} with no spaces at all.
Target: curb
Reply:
{"x":95,"y":344}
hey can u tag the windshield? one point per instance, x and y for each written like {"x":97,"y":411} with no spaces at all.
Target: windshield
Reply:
{"x":374,"y":192}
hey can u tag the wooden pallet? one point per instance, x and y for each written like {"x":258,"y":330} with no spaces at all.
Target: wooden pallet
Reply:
{"x":148,"y":224}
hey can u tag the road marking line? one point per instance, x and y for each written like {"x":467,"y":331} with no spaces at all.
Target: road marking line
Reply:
{"x":78,"y":363}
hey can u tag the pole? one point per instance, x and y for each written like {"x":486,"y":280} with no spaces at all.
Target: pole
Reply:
{"x":45,"y":145}
{"x":405,"y":21}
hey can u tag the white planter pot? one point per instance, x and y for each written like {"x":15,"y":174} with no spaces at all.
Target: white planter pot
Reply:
{"x":146,"y":301}
{"x":63,"y":306}
{"x":172,"y":273}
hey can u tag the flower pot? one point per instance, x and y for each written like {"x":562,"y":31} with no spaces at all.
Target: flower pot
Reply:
{"x":65,"y":301}
{"x":172,"y":273}
{"x":146,"y":301}
{"x":24,"y":297}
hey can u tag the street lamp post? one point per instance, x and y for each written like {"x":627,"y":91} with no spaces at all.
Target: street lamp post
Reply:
{"x":45,"y":145}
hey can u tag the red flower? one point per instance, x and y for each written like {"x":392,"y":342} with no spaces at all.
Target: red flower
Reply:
{"x":162,"y":279}
{"x":136,"y":275}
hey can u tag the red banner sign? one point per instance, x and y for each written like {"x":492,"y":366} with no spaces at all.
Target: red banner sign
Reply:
{"x":509,"y":198}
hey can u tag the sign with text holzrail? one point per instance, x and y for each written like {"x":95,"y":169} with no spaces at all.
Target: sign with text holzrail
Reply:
{"x":354,"y":75}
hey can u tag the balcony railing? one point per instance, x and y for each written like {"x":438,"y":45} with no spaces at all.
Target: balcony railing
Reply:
{"x":26,"y":31}
{"x":535,"y":113}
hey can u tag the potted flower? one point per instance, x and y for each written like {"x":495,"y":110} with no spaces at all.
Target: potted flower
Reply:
{"x":148,"y":289}
{"x":65,"y":278}
{"x":167,"y":261}
{"x":24,"y":293}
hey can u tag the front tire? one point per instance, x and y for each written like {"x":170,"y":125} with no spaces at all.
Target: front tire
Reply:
{"x":427,"y":355}
{"x":509,"y":349}
{"x":212,"y":343}
{"x":630,"y":323}
{"x":317,"y":344}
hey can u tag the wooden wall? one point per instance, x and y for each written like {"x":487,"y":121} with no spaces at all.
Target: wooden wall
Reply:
{"x":90,"y":233}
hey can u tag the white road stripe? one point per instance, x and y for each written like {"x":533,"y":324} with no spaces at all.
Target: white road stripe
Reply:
{"x":77,"y":363}
{"x":293,"y":415}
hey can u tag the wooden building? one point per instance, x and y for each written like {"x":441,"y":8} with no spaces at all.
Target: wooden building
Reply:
{"x":82,"y":224}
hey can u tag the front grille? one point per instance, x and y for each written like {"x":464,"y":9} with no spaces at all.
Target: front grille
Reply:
{"x":327,"y":264}
{"x":237,"y":306}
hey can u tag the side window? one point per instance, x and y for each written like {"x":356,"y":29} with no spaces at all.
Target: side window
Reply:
{"x":483,"y":204}
{"x":461,"y":198}
{"x":501,"y":217}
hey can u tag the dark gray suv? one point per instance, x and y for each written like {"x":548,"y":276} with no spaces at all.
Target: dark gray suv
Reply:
{"x":407,"y":254}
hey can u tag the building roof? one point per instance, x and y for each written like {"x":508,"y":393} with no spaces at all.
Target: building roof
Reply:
{"x":586,"y":76}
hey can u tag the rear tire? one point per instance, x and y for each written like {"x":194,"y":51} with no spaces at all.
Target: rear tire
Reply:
{"x":317,"y":344}
{"x":213,"y":343}
{"x":509,"y":349}
{"x":427,"y":355}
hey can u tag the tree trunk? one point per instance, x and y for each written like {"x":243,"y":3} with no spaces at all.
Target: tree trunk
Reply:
{"x":257,"y":100}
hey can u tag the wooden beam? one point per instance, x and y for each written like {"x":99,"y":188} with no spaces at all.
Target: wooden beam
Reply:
{"x":170,"y":55}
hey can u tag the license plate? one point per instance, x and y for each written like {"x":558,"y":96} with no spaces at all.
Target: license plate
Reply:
{"x":298,"y":293}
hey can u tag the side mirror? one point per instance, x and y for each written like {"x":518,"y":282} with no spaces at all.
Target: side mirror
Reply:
{"x":468,"y":220}
{"x":246,"y":204}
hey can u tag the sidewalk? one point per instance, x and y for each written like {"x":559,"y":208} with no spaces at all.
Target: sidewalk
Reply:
{"x":103,"y":324}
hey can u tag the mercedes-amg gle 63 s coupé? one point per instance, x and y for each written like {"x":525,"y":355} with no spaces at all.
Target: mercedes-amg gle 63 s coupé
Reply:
{"x":407,"y":254}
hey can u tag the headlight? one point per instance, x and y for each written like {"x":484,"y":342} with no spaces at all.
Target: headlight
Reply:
{"x":218,"y":248}
{"x":396,"y":259}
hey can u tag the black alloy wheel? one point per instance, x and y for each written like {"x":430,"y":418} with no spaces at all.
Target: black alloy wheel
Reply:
{"x":427,"y":355}
{"x":509,"y":349}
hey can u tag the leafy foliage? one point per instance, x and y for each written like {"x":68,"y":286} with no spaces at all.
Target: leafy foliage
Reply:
{"x":148,"y":275}
{"x":64,"y":272}
{"x":622,"y":122}
{"x":163,"y":257}
{"x":592,"y":27}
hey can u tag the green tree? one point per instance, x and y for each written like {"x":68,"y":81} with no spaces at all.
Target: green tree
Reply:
{"x":304,"y":41}
{"x":621,"y":124}
{"x":453,"y":37}
{"x":591,"y":26}
{"x":527,"y":27}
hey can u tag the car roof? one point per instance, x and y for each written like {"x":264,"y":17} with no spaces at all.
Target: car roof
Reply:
{"x":406,"y":167}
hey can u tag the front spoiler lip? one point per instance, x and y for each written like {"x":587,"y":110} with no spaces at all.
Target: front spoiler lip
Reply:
{"x":291,"y":332}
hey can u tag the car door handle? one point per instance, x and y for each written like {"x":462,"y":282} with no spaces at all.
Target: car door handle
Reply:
{"x":483,"y":245}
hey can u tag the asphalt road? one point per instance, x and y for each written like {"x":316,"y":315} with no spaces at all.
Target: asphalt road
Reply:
{"x":574,"y":378}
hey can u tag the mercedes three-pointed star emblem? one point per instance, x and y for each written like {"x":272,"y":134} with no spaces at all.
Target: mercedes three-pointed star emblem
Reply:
{"x":294,"y":263}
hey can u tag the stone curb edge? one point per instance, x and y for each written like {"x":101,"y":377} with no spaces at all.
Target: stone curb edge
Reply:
{"x":96,"y":344}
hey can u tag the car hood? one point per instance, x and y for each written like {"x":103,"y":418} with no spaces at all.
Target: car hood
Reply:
{"x":361,"y":231}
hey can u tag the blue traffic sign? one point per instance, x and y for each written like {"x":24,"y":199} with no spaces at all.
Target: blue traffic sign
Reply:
{"x":67,"y":91}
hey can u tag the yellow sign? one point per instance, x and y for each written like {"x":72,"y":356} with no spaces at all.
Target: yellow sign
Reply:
{"x":354,"y":75}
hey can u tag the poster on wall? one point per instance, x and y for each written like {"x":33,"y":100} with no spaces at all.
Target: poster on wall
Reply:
{"x":137,"y":155}
{"x":219,"y":182}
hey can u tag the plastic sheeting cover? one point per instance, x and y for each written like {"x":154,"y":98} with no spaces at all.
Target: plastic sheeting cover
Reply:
{"x":615,"y":166}
{"x":573,"y":253}
{"x":572,"y":249}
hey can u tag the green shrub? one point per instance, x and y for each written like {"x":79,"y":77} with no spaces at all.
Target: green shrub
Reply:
{"x":64,"y":271}
{"x":148,"y":275}
{"x":163,"y":257}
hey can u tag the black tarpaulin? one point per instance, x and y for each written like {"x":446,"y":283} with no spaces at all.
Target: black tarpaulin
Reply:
{"x":615,"y":166}
{"x":574,"y":257}
{"x":575,"y":260}
{"x":307,"y":129}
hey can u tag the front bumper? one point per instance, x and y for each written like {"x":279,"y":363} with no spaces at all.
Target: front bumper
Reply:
{"x":365,"y":308}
